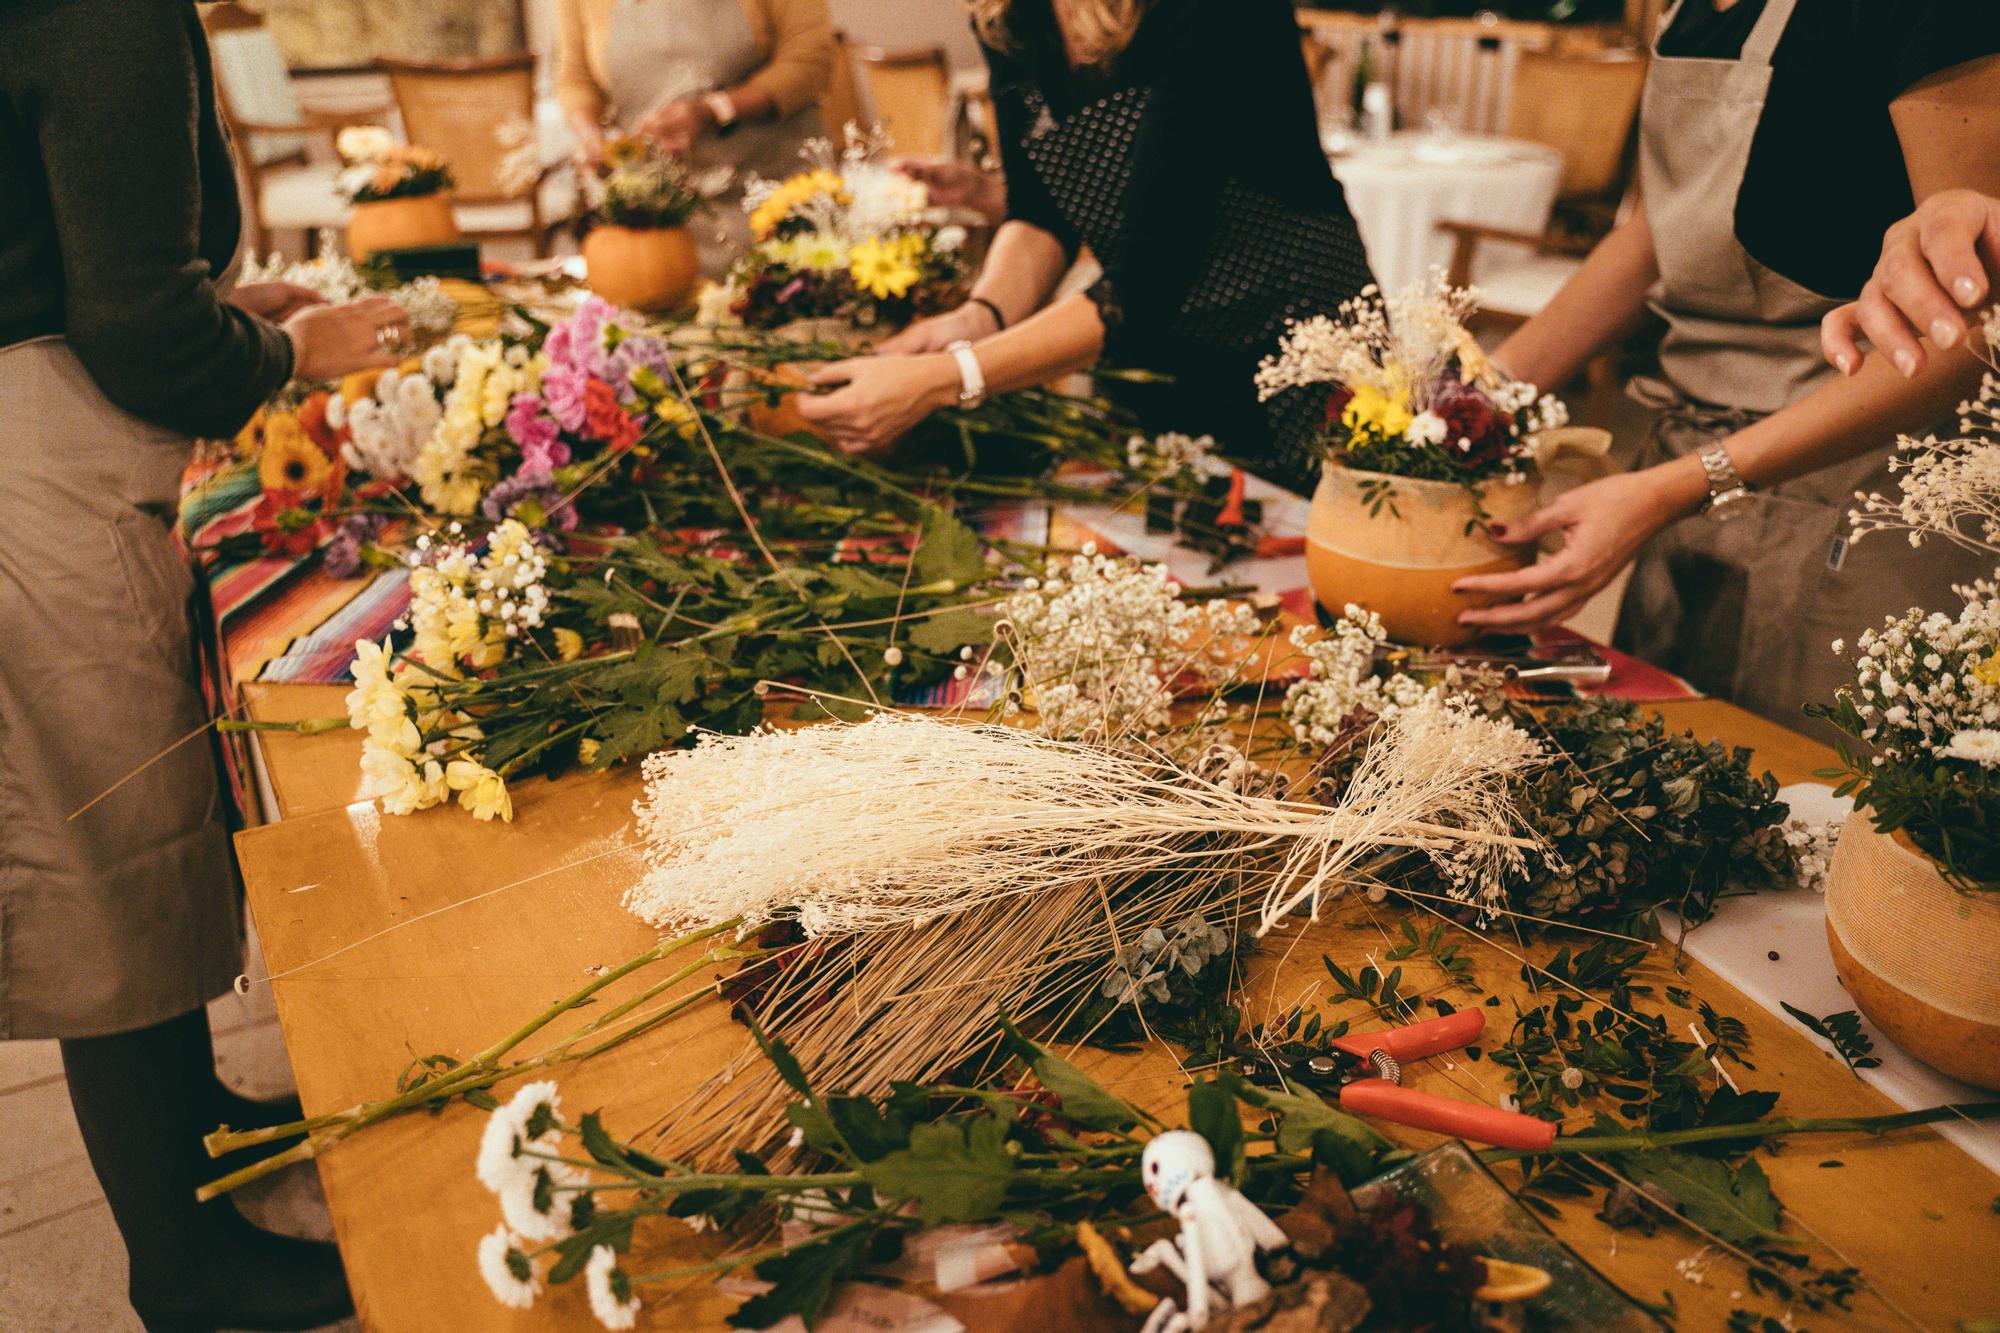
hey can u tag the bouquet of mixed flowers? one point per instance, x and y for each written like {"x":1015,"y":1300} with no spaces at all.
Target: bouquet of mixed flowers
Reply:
{"x":850,"y":238}
{"x":1925,"y":703}
{"x":380,"y":168}
{"x":1412,"y":395}
{"x":641,"y":186}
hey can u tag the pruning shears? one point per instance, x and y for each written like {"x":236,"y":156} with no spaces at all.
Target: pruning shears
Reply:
{"x":1365,"y":1072}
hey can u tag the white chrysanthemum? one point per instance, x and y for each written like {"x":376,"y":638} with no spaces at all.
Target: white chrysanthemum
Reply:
{"x":605,"y":1280}
{"x":1980,"y":745}
{"x":1427,"y":428}
{"x":503,"y":1265}
{"x":511,"y":1129}
{"x":536,"y":1203}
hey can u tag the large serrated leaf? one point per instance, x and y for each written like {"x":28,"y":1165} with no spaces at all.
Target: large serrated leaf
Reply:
{"x":1736,"y":1205}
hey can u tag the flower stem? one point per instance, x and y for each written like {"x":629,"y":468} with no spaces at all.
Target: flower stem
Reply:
{"x":1572,"y":1144}
{"x":311,"y":726}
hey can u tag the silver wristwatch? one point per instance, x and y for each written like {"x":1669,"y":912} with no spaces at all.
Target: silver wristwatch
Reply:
{"x":1725,"y":487}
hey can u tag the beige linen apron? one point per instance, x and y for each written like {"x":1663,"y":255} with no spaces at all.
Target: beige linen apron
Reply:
{"x":1747,"y":604}
{"x":126,"y":915}
{"x":658,"y":51}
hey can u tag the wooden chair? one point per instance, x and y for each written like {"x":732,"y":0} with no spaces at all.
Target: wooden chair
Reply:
{"x":284,"y":186}
{"x":479,"y":115}
{"x":1584,"y":106}
{"x":909,"y":95}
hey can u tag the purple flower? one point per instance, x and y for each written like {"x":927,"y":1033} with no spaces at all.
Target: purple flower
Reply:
{"x":535,"y":491}
{"x":342,"y":556}
{"x":542,"y":449}
{"x":634,"y":353}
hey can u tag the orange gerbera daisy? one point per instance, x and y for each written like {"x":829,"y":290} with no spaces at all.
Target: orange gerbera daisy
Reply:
{"x":291,"y":461}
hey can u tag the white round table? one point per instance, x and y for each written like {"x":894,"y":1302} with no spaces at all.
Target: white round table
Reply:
{"x":1400,"y":188}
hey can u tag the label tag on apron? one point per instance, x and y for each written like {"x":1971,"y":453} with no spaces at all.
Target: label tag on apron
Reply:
{"x":1836,"y":555}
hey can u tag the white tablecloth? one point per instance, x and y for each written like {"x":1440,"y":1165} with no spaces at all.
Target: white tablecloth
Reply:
{"x":1400,"y":189}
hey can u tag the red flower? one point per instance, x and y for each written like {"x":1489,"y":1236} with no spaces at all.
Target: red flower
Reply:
{"x":1476,"y":432}
{"x":286,"y":525}
{"x":1336,"y":403}
{"x":604,"y":418}
{"x":312,"y":419}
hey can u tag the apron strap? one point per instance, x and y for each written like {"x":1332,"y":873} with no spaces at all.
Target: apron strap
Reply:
{"x":1763,"y":39}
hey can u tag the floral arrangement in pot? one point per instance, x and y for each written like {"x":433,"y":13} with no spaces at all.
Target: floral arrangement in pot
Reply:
{"x":1424,"y":439}
{"x":399,"y":193}
{"x":1913,"y":893}
{"x":638,"y":251}
{"x":849,"y":240}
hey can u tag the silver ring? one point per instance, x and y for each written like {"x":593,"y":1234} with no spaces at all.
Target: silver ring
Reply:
{"x":389,"y":338}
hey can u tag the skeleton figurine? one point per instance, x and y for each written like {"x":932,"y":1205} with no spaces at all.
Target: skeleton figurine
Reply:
{"x":1221,"y":1232}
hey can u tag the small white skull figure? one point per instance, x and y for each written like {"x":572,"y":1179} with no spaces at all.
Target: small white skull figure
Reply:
{"x":1221,"y":1232}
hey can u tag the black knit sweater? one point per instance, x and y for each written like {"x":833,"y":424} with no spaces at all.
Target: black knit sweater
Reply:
{"x":1191,"y":167}
{"x":118,"y":208}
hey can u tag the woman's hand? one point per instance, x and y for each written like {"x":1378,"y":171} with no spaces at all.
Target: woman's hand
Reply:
{"x":1933,"y":262}
{"x":879,"y":398}
{"x":587,"y":157}
{"x":952,"y":184}
{"x":275,"y":301}
{"x":329,"y":341}
{"x":678,"y":125}
{"x":969,"y":323}
{"x":1603,"y":523}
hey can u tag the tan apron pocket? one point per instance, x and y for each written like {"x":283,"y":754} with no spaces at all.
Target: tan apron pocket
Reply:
{"x":157,"y":582}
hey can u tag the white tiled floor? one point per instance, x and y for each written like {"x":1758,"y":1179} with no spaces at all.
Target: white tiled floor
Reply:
{"x":62,"y":1264}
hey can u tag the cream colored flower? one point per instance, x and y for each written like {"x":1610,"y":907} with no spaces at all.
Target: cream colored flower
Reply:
{"x":480,"y":790}
{"x":401,"y":783}
{"x":375,"y":704}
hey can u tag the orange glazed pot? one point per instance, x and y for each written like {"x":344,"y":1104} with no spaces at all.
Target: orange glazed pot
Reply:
{"x":641,"y":268}
{"x":1401,"y":560}
{"x":781,"y":417}
{"x":1920,"y":958}
{"x":400,"y":224}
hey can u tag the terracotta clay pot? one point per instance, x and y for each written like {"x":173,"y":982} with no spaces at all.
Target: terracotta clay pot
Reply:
{"x":1400,"y":560}
{"x":1920,"y":958}
{"x":400,"y":224}
{"x":782,"y":417}
{"x":642,"y":268}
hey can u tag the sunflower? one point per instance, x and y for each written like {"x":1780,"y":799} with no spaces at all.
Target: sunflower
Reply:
{"x":884,"y":269}
{"x":291,"y":461}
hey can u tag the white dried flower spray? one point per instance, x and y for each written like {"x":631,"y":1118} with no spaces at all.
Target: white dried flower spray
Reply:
{"x":1949,"y":488}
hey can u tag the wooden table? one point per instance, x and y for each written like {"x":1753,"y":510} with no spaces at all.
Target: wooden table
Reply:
{"x":539,"y":908}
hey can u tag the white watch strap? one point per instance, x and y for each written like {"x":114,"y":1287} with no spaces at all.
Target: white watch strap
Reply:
{"x":722,"y":106}
{"x":971,"y":379}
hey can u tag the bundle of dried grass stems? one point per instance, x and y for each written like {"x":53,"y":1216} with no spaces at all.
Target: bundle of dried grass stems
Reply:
{"x":946,"y":872}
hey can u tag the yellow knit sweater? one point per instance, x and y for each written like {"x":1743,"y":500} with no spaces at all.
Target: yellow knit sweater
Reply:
{"x":795,"y":36}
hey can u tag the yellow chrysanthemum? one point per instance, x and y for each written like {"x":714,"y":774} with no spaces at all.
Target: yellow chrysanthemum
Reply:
{"x":1988,"y":672}
{"x":291,"y":461}
{"x":883,"y":269}
{"x":569,"y":644}
{"x":790,"y":194}
{"x":1371,"y":409}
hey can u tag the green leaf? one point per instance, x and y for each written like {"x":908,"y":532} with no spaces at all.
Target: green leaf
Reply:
{"x":949,"y":550}
{"x":957,"y":1170}
{"x":948,"y":631}
{"x":1212,"y":1114}
{"x":802,"y":1279}
{"x":1736,"y":1205}
{"x":1082,"y":1100}
{"x":1301,"y":1116}
{"x":866,"y":1130}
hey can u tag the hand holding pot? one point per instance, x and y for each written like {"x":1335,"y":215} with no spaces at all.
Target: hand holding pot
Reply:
{"x":878,"y":398}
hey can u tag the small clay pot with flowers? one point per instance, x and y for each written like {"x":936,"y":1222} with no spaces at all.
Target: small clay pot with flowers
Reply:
{"x":400,"y":192}
{"x":1424,"y":444}
{"x":638,"y":253}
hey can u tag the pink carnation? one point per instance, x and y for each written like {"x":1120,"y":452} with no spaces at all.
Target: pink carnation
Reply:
{"x":562,"y":393}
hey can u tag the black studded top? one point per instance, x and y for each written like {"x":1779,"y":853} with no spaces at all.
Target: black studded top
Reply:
{"x":1191,"y":167}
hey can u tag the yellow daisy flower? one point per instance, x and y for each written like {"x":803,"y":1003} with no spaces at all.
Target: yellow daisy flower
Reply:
{"x":883,"y":269}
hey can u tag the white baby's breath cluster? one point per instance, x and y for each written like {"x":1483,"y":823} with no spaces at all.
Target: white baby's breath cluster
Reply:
{"x":334,"y":278}
{"x":481,"y":378}
{"x":1394,"y":344}
{"x":1812,"y":842}
{"x":1168,"y":453}
{"x":1949,"y":488}
{"x":1341,"y":679}
{"x":1927,"y":685}
{"x":1102,"y":643}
